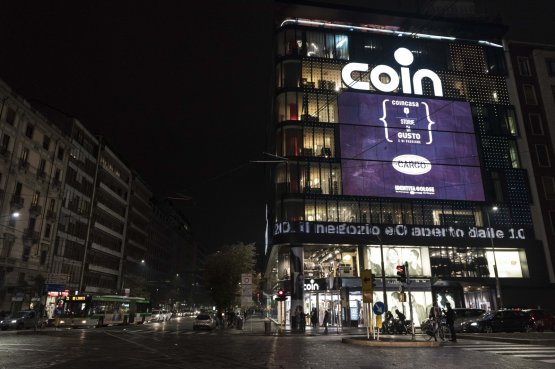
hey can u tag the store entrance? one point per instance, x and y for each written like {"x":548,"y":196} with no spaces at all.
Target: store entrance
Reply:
{"x":322,"y":301}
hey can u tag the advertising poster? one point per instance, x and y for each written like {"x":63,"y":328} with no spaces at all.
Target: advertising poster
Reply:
{"x":396,"y":146}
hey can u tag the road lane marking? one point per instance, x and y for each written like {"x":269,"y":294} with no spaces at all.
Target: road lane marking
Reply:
{"x":138,"y":344}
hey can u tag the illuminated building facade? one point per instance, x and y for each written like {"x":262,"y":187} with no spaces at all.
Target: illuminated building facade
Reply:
{"x":396,"y":146}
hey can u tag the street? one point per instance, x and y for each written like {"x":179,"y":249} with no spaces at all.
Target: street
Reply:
{"x":174,"y":344}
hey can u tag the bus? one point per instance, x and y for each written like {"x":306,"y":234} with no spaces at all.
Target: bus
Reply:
{"x":99,"y":310}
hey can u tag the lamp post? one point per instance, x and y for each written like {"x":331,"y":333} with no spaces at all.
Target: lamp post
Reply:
{"x":490,"y":235}
{"x":383,"y":274}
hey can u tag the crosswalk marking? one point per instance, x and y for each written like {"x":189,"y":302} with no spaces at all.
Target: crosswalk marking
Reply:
{"x":540,"y":353}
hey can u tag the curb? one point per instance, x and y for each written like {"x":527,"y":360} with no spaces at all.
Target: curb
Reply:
{"x":373,"y":343}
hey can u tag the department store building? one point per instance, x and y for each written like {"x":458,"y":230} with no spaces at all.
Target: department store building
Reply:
{"x":396,"y":146}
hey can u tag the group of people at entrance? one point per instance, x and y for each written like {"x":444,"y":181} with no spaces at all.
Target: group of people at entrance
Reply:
{"x":299,"y":319}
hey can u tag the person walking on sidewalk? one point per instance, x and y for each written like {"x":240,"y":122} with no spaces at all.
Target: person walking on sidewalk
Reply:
{"x":314,"y":319}
{"x":435,"y":316}
{"x":450,"y":320}
{"x":326,"y":320}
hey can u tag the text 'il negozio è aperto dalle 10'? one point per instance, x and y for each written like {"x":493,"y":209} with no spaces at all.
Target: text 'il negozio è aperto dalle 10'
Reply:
{"x":399,"y":230}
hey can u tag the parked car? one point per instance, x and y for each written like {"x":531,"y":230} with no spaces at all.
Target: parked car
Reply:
{"x":23,"y":319}
{"x":204,"y":321}
{"x":500,"y":321}
{"x":462,"y":315}
{"x":160,"y":315}
{"x":542,"y":319}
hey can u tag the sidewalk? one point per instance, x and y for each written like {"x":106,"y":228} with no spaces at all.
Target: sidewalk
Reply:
{"x":256,"y":326}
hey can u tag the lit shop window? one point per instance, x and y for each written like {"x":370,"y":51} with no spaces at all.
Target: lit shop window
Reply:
{"x":417,"y":257}
{"x":508,"y":263}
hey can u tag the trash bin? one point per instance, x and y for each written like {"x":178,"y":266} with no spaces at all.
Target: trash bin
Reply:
{"x":239,"y":323}
{"x":267,"y":326}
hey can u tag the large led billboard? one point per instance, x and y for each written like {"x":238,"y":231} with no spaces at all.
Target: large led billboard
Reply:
{"x":396,"y":146}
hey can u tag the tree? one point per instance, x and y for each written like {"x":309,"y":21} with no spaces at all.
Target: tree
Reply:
{"x":223,"y":271}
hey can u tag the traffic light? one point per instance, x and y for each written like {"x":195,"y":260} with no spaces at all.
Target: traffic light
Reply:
{"x":280,"y":295}
{"x":401,"y":274}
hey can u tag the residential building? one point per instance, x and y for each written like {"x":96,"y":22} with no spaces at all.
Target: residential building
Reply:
{"x":533,"y":86}
{"x":32,"y":167}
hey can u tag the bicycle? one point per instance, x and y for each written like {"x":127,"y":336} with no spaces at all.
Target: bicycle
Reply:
{"x":440,"y":330}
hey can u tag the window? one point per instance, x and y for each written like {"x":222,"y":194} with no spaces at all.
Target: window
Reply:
{"x":36,"y":197}
{"x":513,"y":153}
{"x":43,"y":255}
{"x":551,"y":66}
{"x":7,"y":245}
{"x":536,"y":126}
{"x":41,"y":168}
{"x":529,"y":94}
{"x":549,"y":187}
{"x":24,"y":155}
{"x":60,"y":153}
{"x":552,"y":220}
{"x":46,"y":142}
{"x":29,"y":130}
{"x":47,"y":230}
{"x":10,"y":116}
{"x":542,"y":155}
{"x":5,"y":142}
{"x":51,"y":204}
{"x":523,"y":66}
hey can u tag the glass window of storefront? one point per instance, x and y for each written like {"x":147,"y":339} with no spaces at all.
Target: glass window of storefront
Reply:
{"x":416,"y":256}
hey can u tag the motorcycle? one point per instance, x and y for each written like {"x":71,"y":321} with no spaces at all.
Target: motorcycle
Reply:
{"x":395,"y":326}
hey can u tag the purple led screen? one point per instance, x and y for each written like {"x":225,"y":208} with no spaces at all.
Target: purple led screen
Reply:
{"x":394,"y":146}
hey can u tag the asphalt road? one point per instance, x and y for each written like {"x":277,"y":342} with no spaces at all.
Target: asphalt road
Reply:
{"x":175,"y":345}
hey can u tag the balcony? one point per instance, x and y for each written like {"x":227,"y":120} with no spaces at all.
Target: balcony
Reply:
{"x":30,"y":235}
{"x":35,"y":209}
{"x":5,"y":153}
{"x":23,"y":164}
{"x":51,"y":215}
{"x":17,"y":203}
{"x":41,"y":175}
{"x":56,"y":183}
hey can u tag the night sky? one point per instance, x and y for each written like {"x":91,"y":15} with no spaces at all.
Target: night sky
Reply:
{"x":182,"y":93}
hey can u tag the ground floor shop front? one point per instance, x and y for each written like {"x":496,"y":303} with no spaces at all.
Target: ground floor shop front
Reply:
{"x":346,"y":308}
{"x":324,"y":278}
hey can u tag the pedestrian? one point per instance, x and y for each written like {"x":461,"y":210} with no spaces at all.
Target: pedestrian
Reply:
{"x":450,"y":319}
{"x":435,"y":316}
{"x":302,"y":317}
{"x":314,"y":319}
{"x":326,"y":320}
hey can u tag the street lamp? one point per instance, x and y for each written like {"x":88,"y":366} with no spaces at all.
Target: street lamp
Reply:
{"x":490,"y":235}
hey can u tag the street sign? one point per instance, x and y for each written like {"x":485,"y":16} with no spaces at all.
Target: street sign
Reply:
{"x":366,"y":277}
{"x":379,"y":308}
{"x":246,"y":278}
